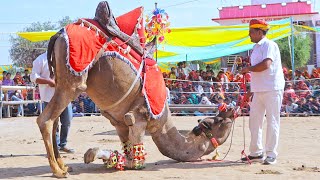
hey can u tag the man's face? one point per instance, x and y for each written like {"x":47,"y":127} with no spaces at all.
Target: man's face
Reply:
{"x":255,"y":35}
{"x":8,"y":76}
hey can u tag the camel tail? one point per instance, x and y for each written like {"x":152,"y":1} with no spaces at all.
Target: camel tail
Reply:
{"x":50,"y":51}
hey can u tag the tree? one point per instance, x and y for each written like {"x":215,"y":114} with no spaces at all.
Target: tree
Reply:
{"x":302,"y":48}
{"x":23,"y":52}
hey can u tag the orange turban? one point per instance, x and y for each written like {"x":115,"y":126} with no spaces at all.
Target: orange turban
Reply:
{"x":260,"y":24}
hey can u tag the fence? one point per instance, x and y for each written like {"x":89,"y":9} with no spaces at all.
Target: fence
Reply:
{"x":196,"y":98}
{"x":8,"y":103}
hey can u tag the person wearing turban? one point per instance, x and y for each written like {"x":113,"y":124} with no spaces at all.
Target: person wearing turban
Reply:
{"x":267,"y":85}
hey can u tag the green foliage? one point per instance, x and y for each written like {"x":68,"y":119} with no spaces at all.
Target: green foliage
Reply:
{"x":23,"y":52}
{"x":302,"y":48}
{"x":215,"y":67}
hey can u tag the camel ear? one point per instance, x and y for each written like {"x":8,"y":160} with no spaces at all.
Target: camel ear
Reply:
{"x":150,"y":48}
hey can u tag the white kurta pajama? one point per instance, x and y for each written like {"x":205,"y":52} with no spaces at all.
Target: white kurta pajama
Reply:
{"x":267,"y":87}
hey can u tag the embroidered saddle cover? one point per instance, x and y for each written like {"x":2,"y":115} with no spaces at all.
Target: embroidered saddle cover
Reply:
{"x":87,"y":41}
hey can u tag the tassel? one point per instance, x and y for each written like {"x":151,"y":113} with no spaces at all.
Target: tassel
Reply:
{"x":82,"y":25}
{"x":89,"y":28}
{"x":216,"y":156}
{"x":97,"y":32}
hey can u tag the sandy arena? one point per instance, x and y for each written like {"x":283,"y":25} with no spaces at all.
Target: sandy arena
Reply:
{"x":22,"y":152}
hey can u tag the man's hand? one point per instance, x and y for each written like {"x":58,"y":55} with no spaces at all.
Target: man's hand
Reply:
{"x":245,"y":70}
{"x":51,"y":83}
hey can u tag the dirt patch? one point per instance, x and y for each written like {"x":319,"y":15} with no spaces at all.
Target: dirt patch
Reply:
{"x":108,"y":140}
{"x":22,"y":158}
{"x":267,"y":171}
{"x":307,"y":169}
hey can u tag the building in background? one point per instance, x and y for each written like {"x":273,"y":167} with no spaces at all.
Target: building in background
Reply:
{"x":302,"y":12}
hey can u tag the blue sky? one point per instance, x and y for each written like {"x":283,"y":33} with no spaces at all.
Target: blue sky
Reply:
{"x":17,"y":14}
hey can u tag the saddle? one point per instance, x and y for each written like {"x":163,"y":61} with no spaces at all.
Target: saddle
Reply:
{"x":109,"y":23}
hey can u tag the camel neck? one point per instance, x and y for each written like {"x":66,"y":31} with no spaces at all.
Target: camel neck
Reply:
{"x":178,"y":147}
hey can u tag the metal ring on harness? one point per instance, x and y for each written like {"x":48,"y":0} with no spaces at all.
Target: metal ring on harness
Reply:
{"x":205,"y":128}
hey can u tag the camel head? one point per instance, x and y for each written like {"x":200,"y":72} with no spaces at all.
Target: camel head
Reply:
{"x":218,"y":128}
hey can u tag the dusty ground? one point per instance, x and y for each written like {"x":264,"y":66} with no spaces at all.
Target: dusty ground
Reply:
{"x":22,"y":153}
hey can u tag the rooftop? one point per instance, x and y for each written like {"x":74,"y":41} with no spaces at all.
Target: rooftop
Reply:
{"x":266,"y":10}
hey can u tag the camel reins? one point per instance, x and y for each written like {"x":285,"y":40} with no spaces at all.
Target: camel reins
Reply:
{"x":244,"y":88}
{"x":205,"y":128}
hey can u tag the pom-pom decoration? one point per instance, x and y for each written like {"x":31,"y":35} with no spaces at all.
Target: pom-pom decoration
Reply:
{"x":157,"y":25}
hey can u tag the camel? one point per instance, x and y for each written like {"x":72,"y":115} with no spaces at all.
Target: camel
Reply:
{"x":105,"y":83}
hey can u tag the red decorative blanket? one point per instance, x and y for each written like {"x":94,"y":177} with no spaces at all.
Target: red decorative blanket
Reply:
{"x":85,"y":39}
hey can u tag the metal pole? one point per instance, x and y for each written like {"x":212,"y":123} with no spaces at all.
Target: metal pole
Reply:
{"x":156,"y":6}
{"x":292,"y":47}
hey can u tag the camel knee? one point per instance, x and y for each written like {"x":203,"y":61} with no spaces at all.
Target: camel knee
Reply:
{"x":129,"y":119}
{"x":41,"y":123}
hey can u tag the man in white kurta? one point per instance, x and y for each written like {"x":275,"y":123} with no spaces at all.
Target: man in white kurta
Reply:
{"x":41,"y":75}
{"x":267,"y":85}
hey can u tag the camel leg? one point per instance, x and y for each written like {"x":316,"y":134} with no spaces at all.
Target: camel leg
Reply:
{"x":46,"y":121}
{"x":96,"y":153}
{"x":46,"y":128}
{"x":56,"y":151}
{"x":136,"y":135}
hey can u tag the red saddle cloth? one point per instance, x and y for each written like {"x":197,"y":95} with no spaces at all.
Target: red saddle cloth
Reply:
{"x":84,"y":42}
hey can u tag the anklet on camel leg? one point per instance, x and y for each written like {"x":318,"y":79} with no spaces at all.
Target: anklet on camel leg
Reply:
{"x":138,"y":152}
{"x":127,"y":148}
{"x":116,"y":160}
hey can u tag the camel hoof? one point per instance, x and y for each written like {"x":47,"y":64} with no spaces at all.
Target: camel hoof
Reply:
{"x":61,"y":174}
{"x":90,"y":155}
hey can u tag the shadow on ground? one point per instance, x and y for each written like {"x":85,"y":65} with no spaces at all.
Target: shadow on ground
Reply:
{"x":81,"y":168}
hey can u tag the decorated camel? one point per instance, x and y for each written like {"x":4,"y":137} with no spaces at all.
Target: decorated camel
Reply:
{"x":115,"y":70}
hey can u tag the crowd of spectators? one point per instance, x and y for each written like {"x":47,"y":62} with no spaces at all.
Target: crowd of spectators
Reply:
{"x":202,"y":87}
{"x":19,"y":95}
{"x":187,"y":86}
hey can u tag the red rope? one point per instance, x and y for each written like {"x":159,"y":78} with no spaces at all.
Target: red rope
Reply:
{"x":244,"y":88}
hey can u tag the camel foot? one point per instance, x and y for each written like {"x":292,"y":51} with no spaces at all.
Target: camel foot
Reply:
{"x":91,"y":155}
{"x":67,"y":169}
{"x":61,"y":174}
{"x":64,"y":167}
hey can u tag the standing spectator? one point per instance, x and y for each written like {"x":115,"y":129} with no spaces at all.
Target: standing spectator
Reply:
{"x":267,"y":84}
{"x":223,"y":79}
{"x":315,"y":73}
{"x":41,"y":75}
{"x":180,"y":73}
{"x":4,"y":73}
{"x":186,"y":68}
{"x":17,"y":96}
{"x":18,"y":80}
{"x":172,"y":73}
{"x":26,"y":77}
{"x":8,"y":81}
{"x":298,"y":75}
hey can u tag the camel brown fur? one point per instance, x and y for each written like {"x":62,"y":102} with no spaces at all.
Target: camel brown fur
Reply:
{"x":106,"y":82}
